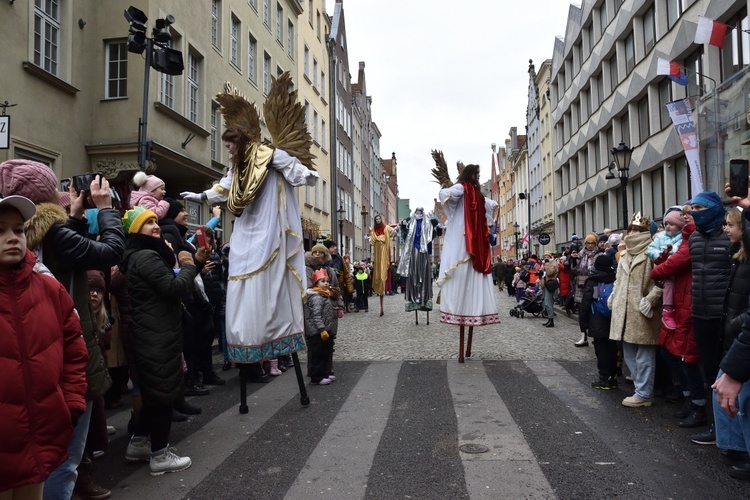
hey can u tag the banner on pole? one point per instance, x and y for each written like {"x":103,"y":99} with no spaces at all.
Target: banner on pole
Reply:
{"x":682,"y":118}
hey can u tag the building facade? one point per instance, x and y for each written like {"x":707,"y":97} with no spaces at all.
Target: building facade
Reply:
{"x":545,"y":149}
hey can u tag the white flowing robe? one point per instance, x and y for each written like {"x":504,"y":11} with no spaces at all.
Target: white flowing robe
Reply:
{"x":467,"y":297}
{"x":267,"y":279}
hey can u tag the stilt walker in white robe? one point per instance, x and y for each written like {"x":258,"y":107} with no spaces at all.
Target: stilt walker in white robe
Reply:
{"x":466,"y":295}
{"x":267,"y":278}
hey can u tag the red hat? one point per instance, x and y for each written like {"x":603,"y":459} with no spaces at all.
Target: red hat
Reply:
{"x":319,"y":275}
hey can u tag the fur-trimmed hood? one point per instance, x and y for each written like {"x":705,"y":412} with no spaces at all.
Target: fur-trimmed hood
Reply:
{"x":311,"y":261}
{"x":46,"y":216}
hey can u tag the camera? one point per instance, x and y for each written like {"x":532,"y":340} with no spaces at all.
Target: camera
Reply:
{"x":82,"y":183}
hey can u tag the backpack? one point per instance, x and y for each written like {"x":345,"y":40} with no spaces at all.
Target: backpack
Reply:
{"x":524,"y":275}
{"x":601,"y":294}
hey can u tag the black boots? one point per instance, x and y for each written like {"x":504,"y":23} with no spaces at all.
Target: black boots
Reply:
{"x":697,"y":417}
{"x":583,"y":342}
{"x":550,"y":323}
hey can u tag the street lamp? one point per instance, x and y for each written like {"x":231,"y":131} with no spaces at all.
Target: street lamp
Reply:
{"x":158,"y":56}
{"x":516,"y":234}
{"x":527,"y":196}
{"x":365,"y":226}
{"x":340,"y":215}
{"x":622,"y":154}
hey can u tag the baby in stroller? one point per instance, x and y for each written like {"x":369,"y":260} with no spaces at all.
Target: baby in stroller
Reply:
{"x":531,"y":303}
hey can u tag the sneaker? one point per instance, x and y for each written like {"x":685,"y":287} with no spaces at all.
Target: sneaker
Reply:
{"x":226,"y":366}
{"x":139,"y":448}
{"x":324,"y":381}
{"x":96,"y":454}
{"x":167,"y":461}
{"x":331,"y":377}
{"x":706,"y":437}
{"x":196,"y":390}
{"x":667,"y":319}
{"x":636,"y":402}
{"x":111,"y":430}
{"x":733,"y":457}
{"x":605,"y":383}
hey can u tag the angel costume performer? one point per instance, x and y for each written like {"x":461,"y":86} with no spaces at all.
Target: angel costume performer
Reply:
{"x":466,"y":290}
{"x":415,"y":263}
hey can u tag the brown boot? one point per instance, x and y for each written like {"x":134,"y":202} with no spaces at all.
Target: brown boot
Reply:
{"x":85,"y":486}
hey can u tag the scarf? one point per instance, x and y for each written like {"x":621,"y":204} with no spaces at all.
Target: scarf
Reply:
{"x":325,"y":293}
{"x":637,"y":243}
{"x":708,"y":220}
{"x":477,"y":233}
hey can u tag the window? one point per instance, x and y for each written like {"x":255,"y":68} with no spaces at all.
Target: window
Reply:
{"x":682,"y":179}
{"x":599,"y":89}
{"x":193,"y":87}
{"x":267,"y":13}
{"x":636,"y":189}
{"x":309,"y":11}
{"x":252,"y":53}
{"x":629,"y":54}
{"x":307,"y":116}
{"x":214,"y":131}
{"x":694,"y":63}
{"x":47,"y":34}
{"x":657,"y":191}
{"x":625,"y":129}
{"x":649,"y":29}
{"x":325,"y":196}
{"x":643,"y":121}
{"x":167,"y":87}
{"x":279,"y":24}
{"x":315,"y":126}
{"x":290,"y":40}
{"x":266,"y":73}
{"x":215,"y":23}
{"x":323,"y":135}
{"x":234,"y":50}
{"x":603,"y":16}
{"x":665,"y":96}
{"x":613,"y":77}
{"x":736,"y":52}
{"x":34,"y":156}
{"x":323,"y":84}
{"x":674,"y":11}
{"x":306,"y":63}
{"x":116,"y":70}
{"x":317,"y":23}
{"x":315,"y":73}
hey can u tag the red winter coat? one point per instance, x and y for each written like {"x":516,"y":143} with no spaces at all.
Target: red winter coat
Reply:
{"x":43,"y":371}
{"x":564,"y":278}
{"x":681,"y":341}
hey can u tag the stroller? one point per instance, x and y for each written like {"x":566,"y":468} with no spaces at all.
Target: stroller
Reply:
{"x":530,"y":303}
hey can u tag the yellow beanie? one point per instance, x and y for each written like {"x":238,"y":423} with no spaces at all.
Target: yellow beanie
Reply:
{"x":134,"y":219}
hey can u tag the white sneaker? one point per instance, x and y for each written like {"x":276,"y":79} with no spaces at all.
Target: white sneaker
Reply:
{"x":167,"y":461}
{"x":332,"y":378}
{"x":324,"y":381}
{"x":139,"y":448}
{"x":111,"y":430}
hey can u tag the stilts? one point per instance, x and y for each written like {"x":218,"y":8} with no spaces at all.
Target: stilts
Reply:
{"x":416,"y":317}
{"x":428,"y":317}
{"x":381,"y":305}
{"x":244,"y":368}
{"x":468,"y":342}
{"x":461,"y":344}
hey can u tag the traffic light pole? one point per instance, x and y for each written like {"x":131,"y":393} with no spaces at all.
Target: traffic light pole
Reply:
{"x":143,"y":152}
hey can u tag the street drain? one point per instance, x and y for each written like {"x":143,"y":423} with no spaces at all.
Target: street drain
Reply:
{"x":473,"y":448}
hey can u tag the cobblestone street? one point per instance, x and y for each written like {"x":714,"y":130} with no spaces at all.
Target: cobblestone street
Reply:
{"x":395,"y":336}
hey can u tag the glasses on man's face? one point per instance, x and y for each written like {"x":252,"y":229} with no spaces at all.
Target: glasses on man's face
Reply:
{"x":590,"y":243}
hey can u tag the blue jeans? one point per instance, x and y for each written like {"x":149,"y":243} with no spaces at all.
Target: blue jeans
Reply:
{"x":549,"y":302}
{"x":59,"y":485}
{"x":641,"y":360}
{"x":733,"y":433}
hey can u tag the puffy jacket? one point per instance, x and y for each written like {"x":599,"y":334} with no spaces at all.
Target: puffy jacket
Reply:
{"x":156,"y":315}
{"x":680,"y":341}
{"x":215,"y":284}
{"x":661,"y":240}
{"x":736,"y":363}
{"x":596,"y":325}
{"x":68,"y":252}
{"x":175,"y":235}
{"x":737,"y":303}
{"x":564,"y":277}
{"x":319,"y":314}
{"x":342,"y":270}
{"x":147,"y":200}
{"x":43,"y":369}
{"x":712,"y":262}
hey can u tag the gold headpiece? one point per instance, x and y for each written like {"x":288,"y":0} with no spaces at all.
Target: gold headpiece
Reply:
{"x":638,"y":220}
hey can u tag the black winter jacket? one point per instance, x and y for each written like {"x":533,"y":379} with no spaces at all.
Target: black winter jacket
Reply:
{"x":596,"y":325}
{"x":712,"y":262}
{"x":175,"y":235}
{"x":736,"y":363}
{"x":156,"y":316}
{"x":215,"y":284}
{"x":68,"y":252}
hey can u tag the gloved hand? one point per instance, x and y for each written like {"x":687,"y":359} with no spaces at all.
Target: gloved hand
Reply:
{"x":324,"y":336}
{"x":665,"y":253}
{"x":190,"y":196}
{"x":645,"y":307}
{"x":185,"y":258}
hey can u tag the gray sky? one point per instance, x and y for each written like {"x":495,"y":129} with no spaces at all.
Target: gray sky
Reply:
{"x":447,"y":75}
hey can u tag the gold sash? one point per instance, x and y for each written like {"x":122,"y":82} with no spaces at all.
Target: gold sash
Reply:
{"x":247,"y":181}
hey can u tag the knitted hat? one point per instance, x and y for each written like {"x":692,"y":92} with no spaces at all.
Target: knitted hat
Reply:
{"x":319,"y":275}
{"x":603,"y":238}
{"x":574,"y":237}
{"x":96,"y":281}
{"x":706,"y":199}
{"x":675,"y":217}
{"x":591,"y":238}
{"x":319,"y":248}
{"x":615,"y":239}
{"x":64,"y":198}
{"x":147,"y":182}
{"x":134,"y":219}
{"x":175,"y":207}
{"x":603,"y":263}
{"x":329,"y":244}
{"x":33,"y":180}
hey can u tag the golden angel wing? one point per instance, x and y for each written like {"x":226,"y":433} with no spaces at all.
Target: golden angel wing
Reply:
{"x":240,"y":114}
{"x":440,"y":171}
{"x":285,"y":119}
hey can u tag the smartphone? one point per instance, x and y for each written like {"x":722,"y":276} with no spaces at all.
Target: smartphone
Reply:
{"x":738,"y":181}
{"x":82,"y":183}
{"x":200,"y":235}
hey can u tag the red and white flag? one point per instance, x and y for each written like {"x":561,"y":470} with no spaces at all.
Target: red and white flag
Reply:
{"x":711,"y":32}
{"x":525,"y":239}
{"x":664,"y":67}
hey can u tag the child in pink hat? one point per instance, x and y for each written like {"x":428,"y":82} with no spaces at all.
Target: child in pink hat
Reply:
{"x":150,"y":194}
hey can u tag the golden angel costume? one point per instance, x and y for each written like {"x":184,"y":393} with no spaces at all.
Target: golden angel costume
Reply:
{"x":267,"y":279}
{"x":381,"y":254}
